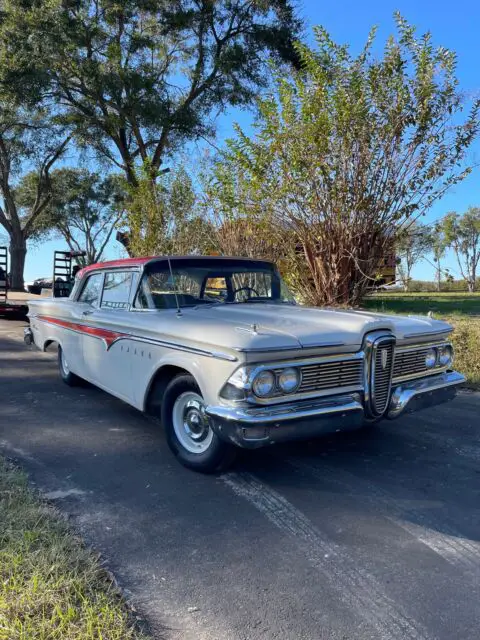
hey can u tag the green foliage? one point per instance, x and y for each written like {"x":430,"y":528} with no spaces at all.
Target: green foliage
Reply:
{"x":462,"y":232}
{"x":163,"y":218}
{"x":437,"y":244}
{"x":466,"y":342}
{"x":135,"y":79}
{"x":51,"y":586}
{"x":346,"y":151}
{"x":84,"y":209}
{"x":412,"y":242}
{"x":27,"y":139}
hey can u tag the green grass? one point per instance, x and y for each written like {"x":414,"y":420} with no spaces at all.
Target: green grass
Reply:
{"x":441,"y":304}
{"x":51,"y":586}
{"x":466,"y":342}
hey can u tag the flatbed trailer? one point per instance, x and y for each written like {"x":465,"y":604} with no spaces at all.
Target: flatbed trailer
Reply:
{"x":13,"y":304}
{"x":16,"y":305}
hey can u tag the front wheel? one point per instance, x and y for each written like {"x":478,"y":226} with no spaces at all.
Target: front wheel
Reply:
{"x":188,"y":431}
{"x":67,"y":376}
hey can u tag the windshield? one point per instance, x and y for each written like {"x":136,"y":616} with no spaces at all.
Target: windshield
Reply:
{"x":193,"y":283}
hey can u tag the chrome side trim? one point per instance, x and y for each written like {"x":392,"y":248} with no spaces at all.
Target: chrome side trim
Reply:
{"x":177,"y":347}
{"x":318,"y":345}
{"x":290,"y":411}
{"x":417,"y":376}
{"x":427,"y":333}
{"x":422,"y":345}
{"x":404,"y":393}
{"x":162,"y":343}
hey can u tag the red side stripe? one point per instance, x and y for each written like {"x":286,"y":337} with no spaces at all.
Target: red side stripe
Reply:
{"x":104,"y":334}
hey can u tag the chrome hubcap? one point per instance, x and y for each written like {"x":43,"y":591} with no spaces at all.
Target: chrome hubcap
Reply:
{"x":190,"y":422}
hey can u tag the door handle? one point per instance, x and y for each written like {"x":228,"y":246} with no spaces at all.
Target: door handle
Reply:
{"x":87,"y":312}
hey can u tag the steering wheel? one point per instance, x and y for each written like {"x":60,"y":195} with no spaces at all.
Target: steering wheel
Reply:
{"x":251,"y":289}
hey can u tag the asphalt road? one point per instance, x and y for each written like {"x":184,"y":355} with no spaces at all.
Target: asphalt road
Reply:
{"x":353,"y":537}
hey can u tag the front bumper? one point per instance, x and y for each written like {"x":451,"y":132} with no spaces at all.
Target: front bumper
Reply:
{"x":252,"y":427}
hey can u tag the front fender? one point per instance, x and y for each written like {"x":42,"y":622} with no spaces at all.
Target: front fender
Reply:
{"x":182,"y":361}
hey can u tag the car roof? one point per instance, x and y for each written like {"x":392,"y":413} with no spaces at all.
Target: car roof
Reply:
{"x":141,"y":262}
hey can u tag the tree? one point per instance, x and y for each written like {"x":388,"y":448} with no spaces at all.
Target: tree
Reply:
{"x":462,"y":232}
{"x":347,"y":151}
{"x":437,"y":244}
{"x":165,"y":219}
{"x":411,"y":245}
{"x":135,"y":79}
{"x":84,"y":209}
{"x":26,"y":139}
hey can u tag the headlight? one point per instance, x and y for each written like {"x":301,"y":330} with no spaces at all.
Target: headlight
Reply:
{"x":263,"y":384}
{"x":445,"y":356}
{"x":431,"y":358}
{"x":288,"y":380}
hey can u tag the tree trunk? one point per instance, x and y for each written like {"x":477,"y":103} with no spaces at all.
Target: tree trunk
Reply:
{"x":439,"y":276}
{"x":18,"y":252}
{"x":471,"y":286}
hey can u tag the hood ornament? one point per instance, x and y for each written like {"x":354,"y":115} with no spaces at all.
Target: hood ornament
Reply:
{"x":253,"y":328}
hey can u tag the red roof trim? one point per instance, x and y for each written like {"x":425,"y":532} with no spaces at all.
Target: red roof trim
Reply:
{"x":115,"y":264}
{"x":140,"y":262}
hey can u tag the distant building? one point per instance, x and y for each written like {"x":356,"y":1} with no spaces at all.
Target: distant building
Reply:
{"x":387,"y":270}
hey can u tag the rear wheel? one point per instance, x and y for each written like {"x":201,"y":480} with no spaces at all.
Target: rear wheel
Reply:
{"x":188,"y":431}
{"x":67,"y":376}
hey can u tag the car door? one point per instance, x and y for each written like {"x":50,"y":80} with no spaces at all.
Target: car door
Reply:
{"x":79,"y":311}
{"x":106,"y":345}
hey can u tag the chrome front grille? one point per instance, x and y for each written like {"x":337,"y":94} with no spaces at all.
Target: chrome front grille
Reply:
{"x":382,"y":375}
{"x":410,"y":362}
{"x":379,"y":349}
{"x":332,"y":375}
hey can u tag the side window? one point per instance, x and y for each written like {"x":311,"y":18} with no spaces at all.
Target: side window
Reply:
{"x":92,"y":289}
{"x":116,"y":290}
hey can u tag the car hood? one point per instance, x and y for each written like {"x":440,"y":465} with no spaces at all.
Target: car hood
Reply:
{"x":257,"y":326}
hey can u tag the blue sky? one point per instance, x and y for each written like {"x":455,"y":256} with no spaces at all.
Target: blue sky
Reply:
{"x":455,"y":25}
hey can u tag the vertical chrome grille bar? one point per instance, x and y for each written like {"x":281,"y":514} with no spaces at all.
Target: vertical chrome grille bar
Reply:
{"x":379,"y":358}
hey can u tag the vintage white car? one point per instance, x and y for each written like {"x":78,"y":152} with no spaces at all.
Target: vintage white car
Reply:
{"x":218,"y":349}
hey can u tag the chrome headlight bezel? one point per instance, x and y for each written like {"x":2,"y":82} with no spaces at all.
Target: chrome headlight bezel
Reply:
{"x":295,"y":379}
{"x":431,"y":358}
{"x":445,"y":356}
{"x":268,"y":379}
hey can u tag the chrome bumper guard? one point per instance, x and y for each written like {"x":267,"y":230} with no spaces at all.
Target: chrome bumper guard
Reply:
{"x":420,"y":394}
{"x":253,"y":427}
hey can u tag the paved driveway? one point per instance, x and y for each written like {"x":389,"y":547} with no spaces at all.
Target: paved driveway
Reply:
{"x":354,"y":537}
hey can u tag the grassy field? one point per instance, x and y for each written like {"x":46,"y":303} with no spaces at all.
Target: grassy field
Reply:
{"x":51,"y":587}
{"x":441,"y":304}
{"x":466,"y":342}
{"x":462,"y":310}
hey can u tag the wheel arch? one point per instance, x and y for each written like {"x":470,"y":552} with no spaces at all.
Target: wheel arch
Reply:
{"x":158,"y":383}
{"x":47,"y":342}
